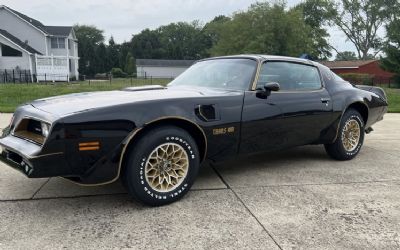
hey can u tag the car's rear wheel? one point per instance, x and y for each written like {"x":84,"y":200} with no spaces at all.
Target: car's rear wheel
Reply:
{"x":350,"y":137}
{"x":161,"y":166}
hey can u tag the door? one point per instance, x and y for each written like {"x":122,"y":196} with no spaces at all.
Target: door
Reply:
{"x":295,"y":115}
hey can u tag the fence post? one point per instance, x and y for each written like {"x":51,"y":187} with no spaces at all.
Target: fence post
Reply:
{"x":13,"y":76}
{"x":110,"y":79}
{"x":45,"y":78}
{"x":131,"y":80}
{"x":151,"y":80}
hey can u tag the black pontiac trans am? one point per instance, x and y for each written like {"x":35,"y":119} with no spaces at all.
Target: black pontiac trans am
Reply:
{"x":154,"y":138}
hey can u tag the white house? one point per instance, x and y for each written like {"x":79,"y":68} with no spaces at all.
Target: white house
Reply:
{"x":46,"y":52}
{"x":157,"y":68}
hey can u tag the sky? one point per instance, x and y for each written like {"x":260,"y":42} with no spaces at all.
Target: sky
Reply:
{"x":122,"y":18}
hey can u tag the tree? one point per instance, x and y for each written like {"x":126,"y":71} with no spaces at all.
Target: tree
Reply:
{"x":266,"y":29}
{"x":125,"y":48}
{"x":361,"y":20}
{"x":317,"y":14}
{"x":173,"y":41}
{"x":100,"y":59}
{"x":89,"y":39}
{"x":113,"y":51}
{"x":212,"y":29}
{"x":130,"y":65}
{"x":146,"y":45}
{"x":391,"y":62}
{"x":346,"y":56}
{"x":183,"y":41}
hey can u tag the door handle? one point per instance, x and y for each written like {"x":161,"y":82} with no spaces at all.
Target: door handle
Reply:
{"x":325,"y":101}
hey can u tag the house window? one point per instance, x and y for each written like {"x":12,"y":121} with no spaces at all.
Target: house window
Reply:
{"x":8,"y":51}
{"x":58,"y":43}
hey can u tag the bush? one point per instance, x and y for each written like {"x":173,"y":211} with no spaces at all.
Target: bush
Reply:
{"x":101,"y":76}
{"x":118,"y":73}
{"x":358,"y":78}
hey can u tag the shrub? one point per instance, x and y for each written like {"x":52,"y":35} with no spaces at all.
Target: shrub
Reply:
{"x":118,"y":73}
{"x":101,"y":76}
{"x":358,"y":78}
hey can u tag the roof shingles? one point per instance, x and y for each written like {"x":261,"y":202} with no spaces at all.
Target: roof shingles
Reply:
{"x":63,"y":31}
{"x":346,"y":64}
{"x":18,"y":42}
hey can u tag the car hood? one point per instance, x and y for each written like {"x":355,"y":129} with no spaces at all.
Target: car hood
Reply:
{"x":81,"y":102}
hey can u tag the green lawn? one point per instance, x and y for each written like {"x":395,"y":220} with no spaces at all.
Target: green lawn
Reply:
{"x":394,"y":100}
{"x":13,"y":95}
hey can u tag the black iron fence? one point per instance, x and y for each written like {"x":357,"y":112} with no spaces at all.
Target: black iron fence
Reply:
{"x":15,"y":76}
{"x":132,"y":80}
{"x":25,"y":76}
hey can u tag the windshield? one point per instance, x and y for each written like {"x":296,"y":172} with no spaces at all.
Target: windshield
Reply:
{"x":219,"y":73}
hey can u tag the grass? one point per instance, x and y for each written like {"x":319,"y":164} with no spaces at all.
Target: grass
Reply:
{"x":13,"y":95}
{"x":394,"y":99}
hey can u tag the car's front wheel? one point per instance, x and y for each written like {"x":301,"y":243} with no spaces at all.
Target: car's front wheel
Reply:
{"x":350,"y":137}
{"x":161,"y":166}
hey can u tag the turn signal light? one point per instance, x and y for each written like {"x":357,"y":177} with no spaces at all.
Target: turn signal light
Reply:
{"x":88,"y":146}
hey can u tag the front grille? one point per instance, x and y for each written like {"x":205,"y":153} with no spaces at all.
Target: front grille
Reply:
{"x":30,"y":129}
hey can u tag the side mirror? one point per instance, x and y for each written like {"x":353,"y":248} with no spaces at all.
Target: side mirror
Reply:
{"x":268,"y":87}
{"x":272,"y":86}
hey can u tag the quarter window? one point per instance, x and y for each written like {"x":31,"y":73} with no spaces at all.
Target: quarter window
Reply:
{"x":57,"y":43}
{"x":290,"y":76}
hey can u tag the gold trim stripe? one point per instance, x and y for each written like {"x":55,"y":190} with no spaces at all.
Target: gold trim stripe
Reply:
{"x":89,"y":148}
{"x":83,"y":144}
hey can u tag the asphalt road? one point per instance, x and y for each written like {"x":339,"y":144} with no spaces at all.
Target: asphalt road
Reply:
{"x":298,"y":198}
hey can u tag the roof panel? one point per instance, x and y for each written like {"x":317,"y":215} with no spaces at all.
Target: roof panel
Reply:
{"x":18,"y":42}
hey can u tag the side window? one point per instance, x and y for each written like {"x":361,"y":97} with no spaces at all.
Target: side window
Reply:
{"x":290,"y":76}
{"x":58,"y":43}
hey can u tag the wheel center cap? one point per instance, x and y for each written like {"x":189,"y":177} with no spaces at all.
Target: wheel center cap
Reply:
{"x":165,"y":166}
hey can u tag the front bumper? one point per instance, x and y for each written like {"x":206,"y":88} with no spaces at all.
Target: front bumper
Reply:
{"x":26,"y":157}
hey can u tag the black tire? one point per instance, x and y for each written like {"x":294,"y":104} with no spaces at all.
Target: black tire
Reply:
{"x":134,"y":174}
{"x":337,"y":150}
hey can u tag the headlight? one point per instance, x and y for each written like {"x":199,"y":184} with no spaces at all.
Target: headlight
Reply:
{"x":45,"y":129}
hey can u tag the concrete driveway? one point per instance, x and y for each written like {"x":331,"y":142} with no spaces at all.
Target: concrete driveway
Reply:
{"x":299,"y":198}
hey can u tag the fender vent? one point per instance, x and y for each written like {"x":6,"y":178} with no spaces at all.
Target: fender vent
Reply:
{"x":207,"y":112}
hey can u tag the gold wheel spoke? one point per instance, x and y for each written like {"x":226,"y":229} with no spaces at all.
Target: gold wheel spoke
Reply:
{"x":166,"y":167}
{"x":351,"y":135}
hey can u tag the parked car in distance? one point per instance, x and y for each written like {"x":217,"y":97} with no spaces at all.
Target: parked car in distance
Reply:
{"x":155,"y":138}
